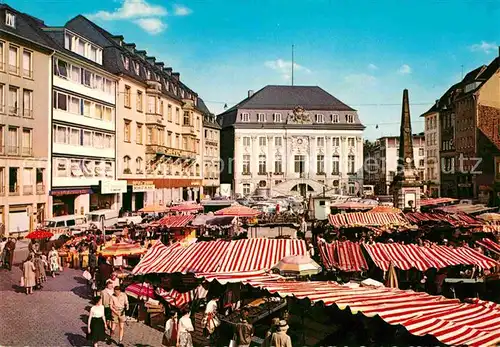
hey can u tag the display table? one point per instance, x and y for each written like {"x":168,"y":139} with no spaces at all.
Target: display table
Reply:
{"x":257,"y":310}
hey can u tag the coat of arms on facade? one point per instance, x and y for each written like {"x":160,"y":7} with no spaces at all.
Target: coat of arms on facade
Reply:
{"x":299,"y":115}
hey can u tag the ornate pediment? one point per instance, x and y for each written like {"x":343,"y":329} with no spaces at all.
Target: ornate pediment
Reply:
{"x":299,"y":116}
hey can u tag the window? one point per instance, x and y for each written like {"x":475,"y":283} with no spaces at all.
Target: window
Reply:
{"x":186,"y":118}
{"x":299,"y":163}
{"x":151,"y":104}
{"x":2,"y":67}
{"x":76,"y":75}
{"x":421,"y":152}
{"x":136,"y":68}
{"x":335,"y":118}
{"x":161,"y":136}
{"x":27,"y":64}
{"x":421,"y":163}
{"x":262,"y":141}
{"x":350,"y":142}
{"x":169,"y":112}
{"x":320,"y":141}
{"x":86,"y":78}
{"x":277,"y":117}
{"x":261,"y":117}
{"x":246,"y":188}
{"x":74,"y":137}
{"x":87,"y":138}
{"x":98,"y":111}
{"x":335,"y":165}
{"x":126,"y":62}
{"x":246,"y":164}
{"x":262,"y":164}
{"x":184,"y":143}
{"x":107,"y":114}
{"x":161,"y":107}
{"x":14,"y":60}
{"x":177,"y":116}
{"x":13,"y":101}
{"x":13,"y":180}
{"x":320,"y":118}
{"x":126,"y":165}
{"x":27,"y":143}
{"x":278,"y":164}
{"x":139,"y":101}
{"x":246,"y":141}
{"x":61,"y":68}
{"x":320,"y":164}
{"x":335,"y":142}
{"x":126,"y":131}
{"x":86,"y":108}
{"x":127,"y":95}
{"x":349,"y":118}
{"x":138,"y":135}
{"x":245,"y":117}
{"x":149,"y":135}
{"x":10,"y":19}
{"x":13,"y":141}
{"x":352,"y":189}
{"x":350,"y":164}
{"x":28,"y":103}
{"x":80,"y":48}
{"x":138,"y":164}
{"x":278,"y":141}
{"x":2,"y":127}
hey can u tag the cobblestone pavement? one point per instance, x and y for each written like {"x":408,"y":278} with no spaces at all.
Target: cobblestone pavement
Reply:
{"x":56,"y":315}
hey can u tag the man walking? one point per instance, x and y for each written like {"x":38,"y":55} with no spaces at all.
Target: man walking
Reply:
{"x":119,"y":305}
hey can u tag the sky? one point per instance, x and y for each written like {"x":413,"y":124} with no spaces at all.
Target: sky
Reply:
{"x":362,"y":52}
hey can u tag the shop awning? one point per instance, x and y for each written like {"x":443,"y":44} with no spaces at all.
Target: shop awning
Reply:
{"x":422,"y":258}
{"x":174,"y":221}
{"x":385,"y":209}
{"x":219,"y":256}
{"x":437,"y":201}
{"x":239,"y":277}
{"x":466,"y":208}
{"x":122,"y":249}
{"x":351,"y":206}
{"x":490,"y":217}
{"x":449,"y":320}
{"x":345,"y":256}
{"x":238,"y":211}
{"x":186,"y":208}
{"x":178,"y":299}
{"x":490,"y":245}
{"x":360,"y":219}
{"x":456,"y":219}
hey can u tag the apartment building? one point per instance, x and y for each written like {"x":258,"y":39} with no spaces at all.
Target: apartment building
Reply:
{"x":83,"y":176}
{"x":25,"y":74}
{"x":211,"y":152}
{"x":159,"y":123}
{"x":432,"y":173}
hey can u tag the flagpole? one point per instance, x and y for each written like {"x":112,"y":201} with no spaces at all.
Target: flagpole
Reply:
{"x":293,"y":62}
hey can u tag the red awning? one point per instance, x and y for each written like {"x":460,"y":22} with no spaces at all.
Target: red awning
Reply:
{"x":351,"y":206}
{"x":360,"y":219}
{"x":219,"y":256}
{"x":437,"y":201}
{"x":490,"y":245}
{"x":186,"y":208}
{"x":175,"y":221}
{"x":456,"y":219}
{"x":422,"y":258}
{"x":238,"y":211}
{"x":345,"y":256}
{"x":178,"y":299}
{"x":449,"y":320}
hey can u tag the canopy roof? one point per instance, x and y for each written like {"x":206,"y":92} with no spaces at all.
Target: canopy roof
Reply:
{"x":466,"y":208}
{"x":345,"y":256}
{"x":363,"y":219}
{"x":436,"y":201}
{"x":455,"y":219}
{"x":174,"y":221}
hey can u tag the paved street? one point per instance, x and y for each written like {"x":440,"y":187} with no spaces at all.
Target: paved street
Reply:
{"x":56,"y":315}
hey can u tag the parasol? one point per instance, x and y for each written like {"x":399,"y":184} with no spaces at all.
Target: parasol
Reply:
{"x":385,"y":209}
{"x":392,"y":278}
{"x":186,"y":208}
{"x":154,"y":209}
{"x":39,"y":234}
{"x":122,"y":249}
{"x":140,"y":291}
{"x":297,"y":265}
{"x":238,"y":211}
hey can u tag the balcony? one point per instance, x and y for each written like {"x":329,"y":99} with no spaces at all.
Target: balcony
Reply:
{"x":40,"y":189}
{"x":152,"y":117}
{"x":187,"y":129}
{"x":27,"y":151}
{"x":28,"y":113}
{"x":28,"y":190}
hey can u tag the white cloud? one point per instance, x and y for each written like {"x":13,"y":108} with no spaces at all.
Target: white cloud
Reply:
{"x":360,"y":79}
{"x":131,"y":9}
{"x":180,"y":10}
{"x":486,"y":47}
{"x":151,"y":25}
{"x":405,"y":69}
{"x":372,"y":67}
{"x":285,"y":67}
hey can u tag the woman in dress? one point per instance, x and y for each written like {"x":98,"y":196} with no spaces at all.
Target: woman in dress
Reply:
{"x":184,"y":338}
{"x":96,"y":325}
{"x":29,"y":275}
{"x":54,"y":261}
{"x":171,"y":328}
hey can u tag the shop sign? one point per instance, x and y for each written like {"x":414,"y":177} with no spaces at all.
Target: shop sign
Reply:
{"x":62,"y":192}
{"x":195,"y":183}
{"x":172,"y":152}
{"x":113,"y":187}
{"x":464,"y":185}
{"x":143,"y":186}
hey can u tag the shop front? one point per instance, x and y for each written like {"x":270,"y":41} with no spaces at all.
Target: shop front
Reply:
{"x":172,"y":190}
{"x":133,"y":198}
{"x":107,"y":195}
{"x":70,"y":201}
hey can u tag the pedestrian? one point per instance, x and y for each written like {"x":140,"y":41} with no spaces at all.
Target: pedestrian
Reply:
{"x":281,"y":338}
{"x":119,"y":305}
{"x":29,"y":275}
{"x":39,"y":270}
{"x":107,"y":295}
{"x":114,"y":280}
{"x":244,"y":330}
{"x":96,"y":326}
{"x":274,"y":328}
{"x":54,"y":261}
{"x":171,"y":331}
{"x":184,"y":338}
{"x":2,"y":251}
{"x":10,"y":247}
{"x":210,"y":320}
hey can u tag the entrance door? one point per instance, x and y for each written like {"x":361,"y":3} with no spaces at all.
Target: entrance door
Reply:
{"x":127,"y":200}
{"x":139,"y":201}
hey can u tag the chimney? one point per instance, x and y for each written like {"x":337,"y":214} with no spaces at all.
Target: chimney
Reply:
{"x":176,"y":75}
{"x":118,"y":39}
{"x":151,"y":60}
{"x":160,"y":65}
{"x":141,"y":54}
{"x":168,"y":70}
{"x":250,"y":93}
{"x":130,"y":47}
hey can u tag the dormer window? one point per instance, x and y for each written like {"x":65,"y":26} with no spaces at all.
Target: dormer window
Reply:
{"x":10,"y":19}
{"x":245,"y":117}
{"x":349,"y":118}
{"x":335,"y":118}
{"x":148,"y":74}
{"x":182,"y":93}
{"x":126,"y":62}
{"x":261,"y":117}
{"x":157,"y":77}
{"x":320,"y":118}
{"x":136,"y":68}
{"x":277,"y":117}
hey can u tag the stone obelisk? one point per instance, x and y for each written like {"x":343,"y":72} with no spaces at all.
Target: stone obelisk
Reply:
{"x":407,"y":186}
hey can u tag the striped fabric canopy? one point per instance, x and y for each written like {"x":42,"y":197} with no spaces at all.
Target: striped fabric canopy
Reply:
{"x":345,"y":256}
{"x":456,"y":219}
{"x":490,"y":245}
{"x":219,"y":256}
{"x":174,"y":221}
{"x":178,"y":299}
{"x":122,"y":249}
{"x":186,"y":208}
{"x":449,"y":320}
{"x":436,"y":201}
{"x":422,"y":258}
{"x":239,"y":277}
{"x":349,"y":220}
{"x":140,"y":290}
{"x":238,"y":211}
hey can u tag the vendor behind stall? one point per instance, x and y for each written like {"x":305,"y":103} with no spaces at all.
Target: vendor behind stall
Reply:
{"x":244,"y":331}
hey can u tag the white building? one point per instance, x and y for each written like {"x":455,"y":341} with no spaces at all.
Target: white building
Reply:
{"x":83,"y":128}
{"x":291,"y":140}
{"x":432,"y":157}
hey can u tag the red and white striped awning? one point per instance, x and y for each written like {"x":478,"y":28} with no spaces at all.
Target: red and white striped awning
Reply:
{"x":239,"y":277}
{"x":449,"y":320}
{"x":360,"y":219}
{"x":490,"y":245}
{"x":175,"y":221}
{"x":219,"y":256}
{"x":178,"y":299}
{"x":436,"y":201}
{"x":345,"y":256}
{"x":186,"y":208}
{"x":422,"y":258}
{"x":238,"y":211}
